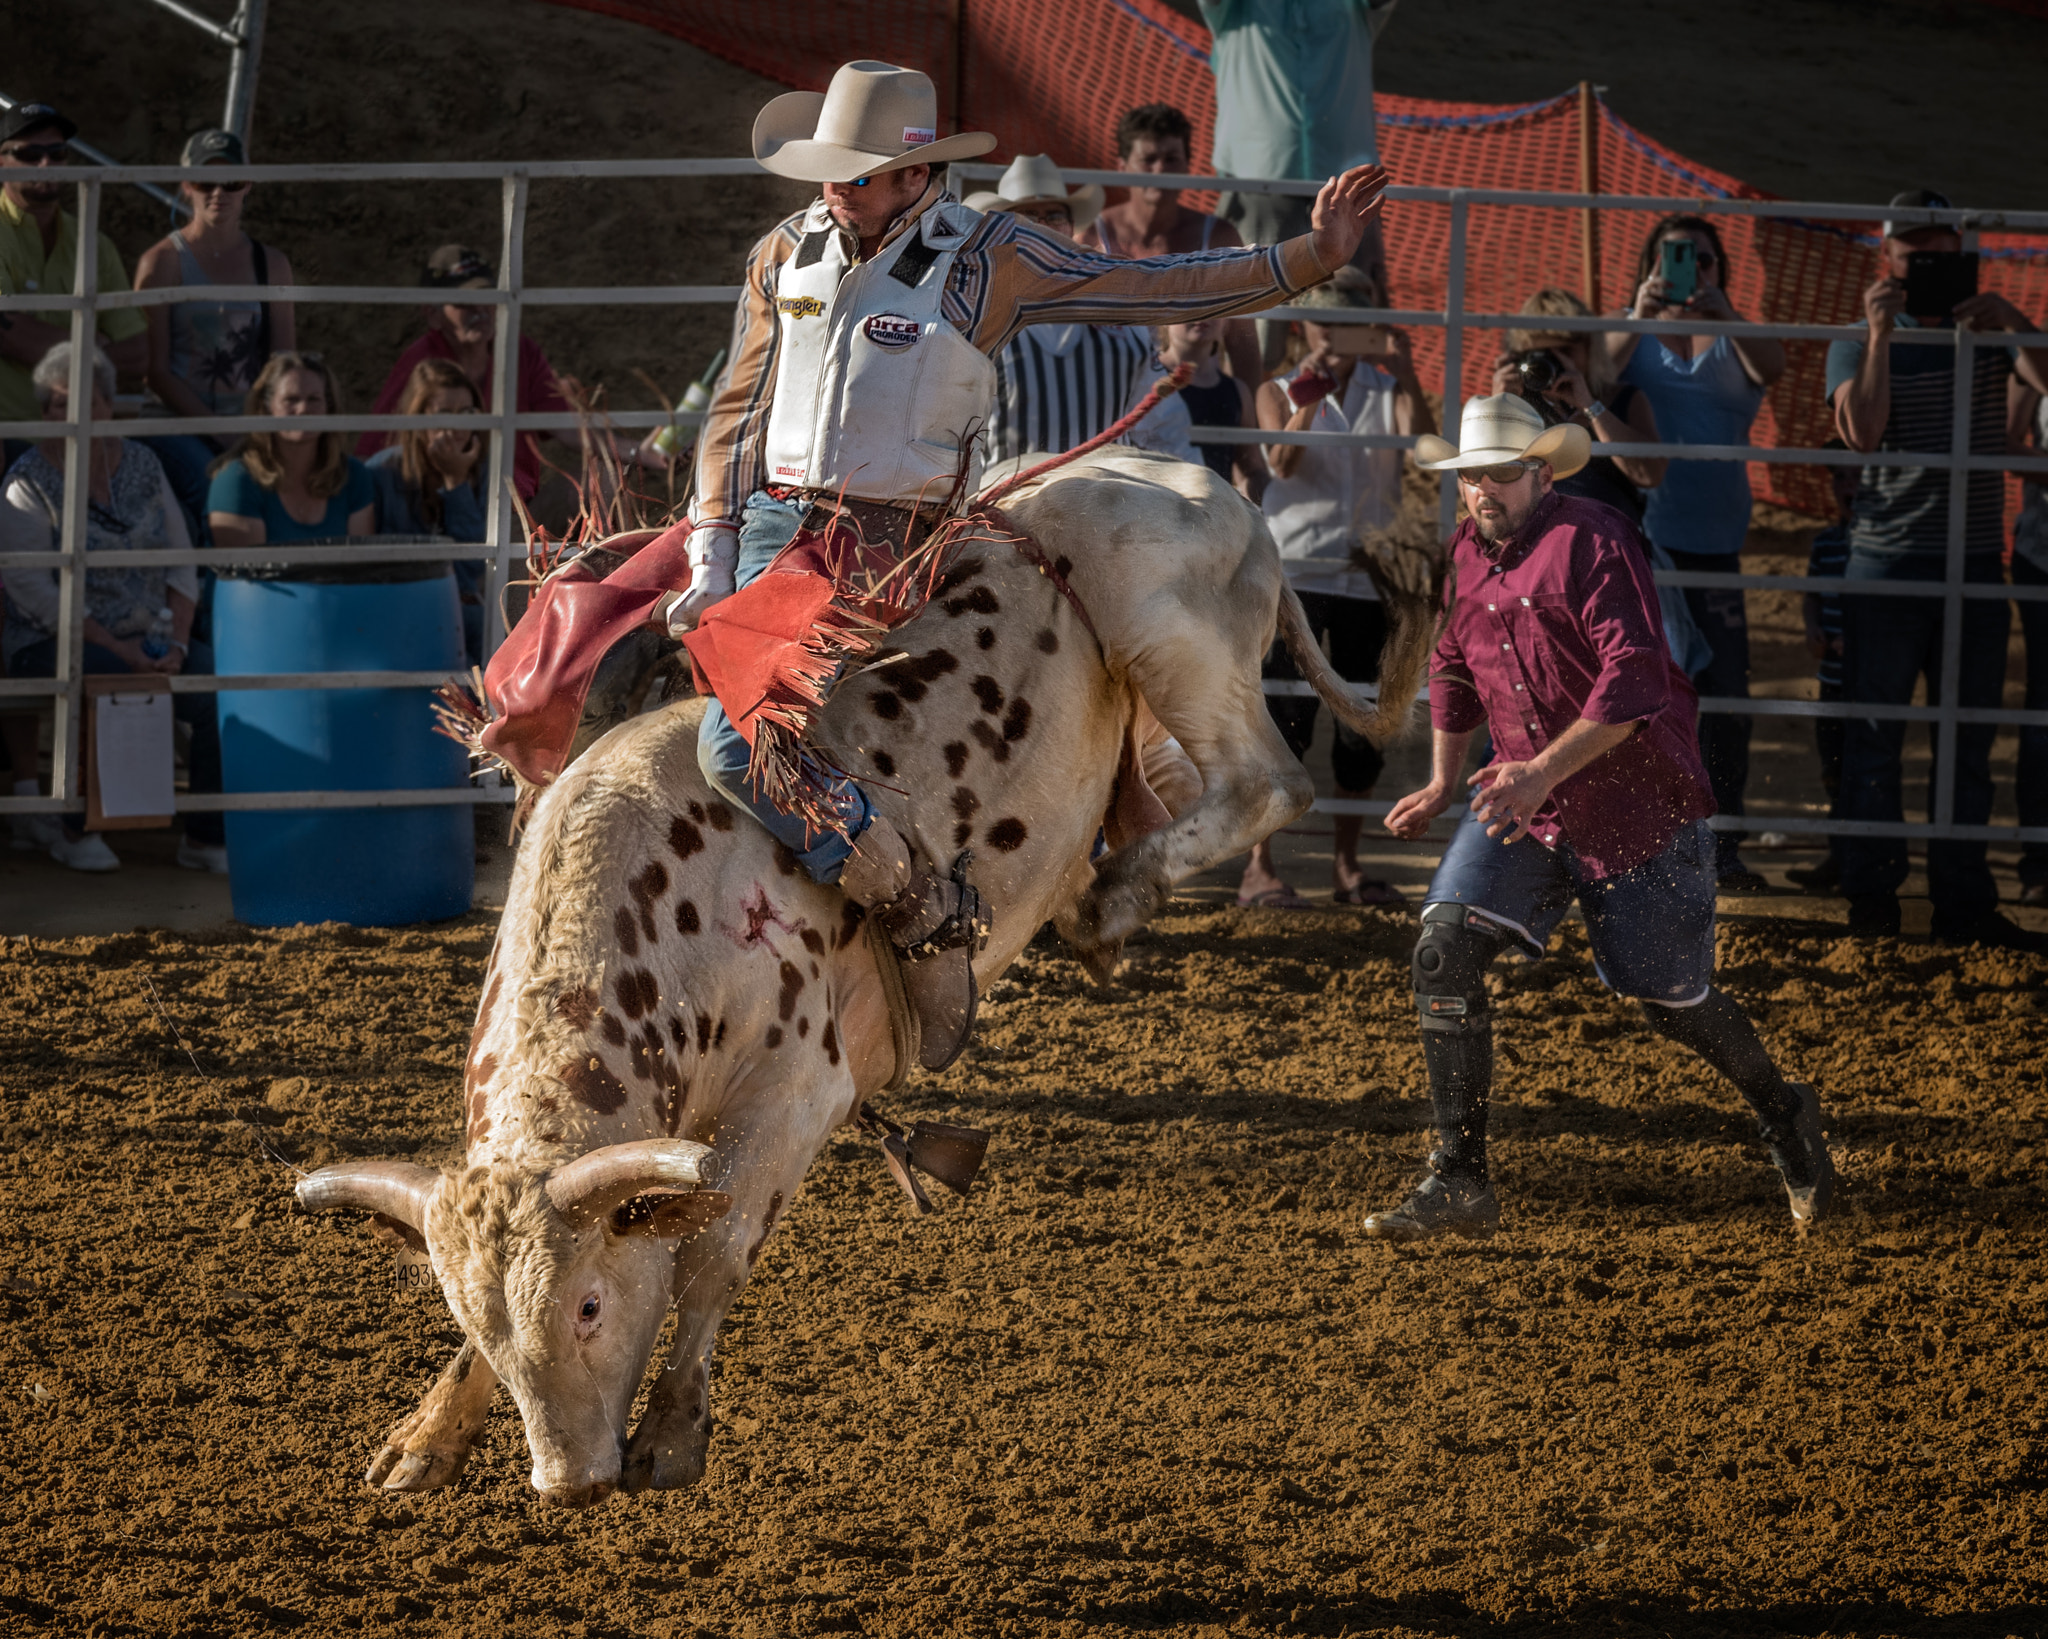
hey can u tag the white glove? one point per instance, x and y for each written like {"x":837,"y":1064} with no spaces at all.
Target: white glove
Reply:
{"x":714,"y":555}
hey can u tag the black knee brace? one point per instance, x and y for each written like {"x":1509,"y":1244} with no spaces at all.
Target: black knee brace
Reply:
{"x":1451,"y":958}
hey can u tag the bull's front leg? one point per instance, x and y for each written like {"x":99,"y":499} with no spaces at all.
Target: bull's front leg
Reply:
{"x":426,"y":1450}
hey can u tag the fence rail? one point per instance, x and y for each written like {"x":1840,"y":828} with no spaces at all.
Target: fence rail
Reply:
{"x":503,"y":423}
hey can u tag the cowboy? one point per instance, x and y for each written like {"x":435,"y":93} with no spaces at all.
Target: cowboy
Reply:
{"x":1058,"y":385}
{"x":862,"y":370}
{"x":1553,"y":643}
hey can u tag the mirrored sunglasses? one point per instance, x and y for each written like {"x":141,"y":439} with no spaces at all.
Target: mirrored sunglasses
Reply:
{"x":1507,"y":472}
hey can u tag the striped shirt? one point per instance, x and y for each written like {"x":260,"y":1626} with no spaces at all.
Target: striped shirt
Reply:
{"x":1006,"y":274}
{"x":1902,"y":512}
{"x":1058,"y":385}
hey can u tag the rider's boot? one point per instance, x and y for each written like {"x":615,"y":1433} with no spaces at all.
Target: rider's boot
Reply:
{"x":937,"y":926}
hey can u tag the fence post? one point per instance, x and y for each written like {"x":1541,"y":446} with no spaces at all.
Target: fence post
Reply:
{"x":1942,"y":807}
{"x":504,"y":407}
{"x":1589,"y":183}
{"x":67,"y":775}
{"x":1454,"y":356}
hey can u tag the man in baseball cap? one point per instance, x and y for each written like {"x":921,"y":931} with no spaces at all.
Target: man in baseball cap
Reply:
{"x":39,"y":253}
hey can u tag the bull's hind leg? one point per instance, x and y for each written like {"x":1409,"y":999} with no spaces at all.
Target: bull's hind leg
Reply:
{"x":1199,"y":672}
{"x":767,"y":1159}
{"x":426,"y":1450}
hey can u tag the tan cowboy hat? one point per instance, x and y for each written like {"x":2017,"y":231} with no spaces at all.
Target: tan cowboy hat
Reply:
{"x":1506,"y":427}
{"x":1033,"y":179}
{"x":875,"y":117}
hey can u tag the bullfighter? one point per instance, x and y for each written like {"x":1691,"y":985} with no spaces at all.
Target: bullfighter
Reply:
{"x":1594,"y":791}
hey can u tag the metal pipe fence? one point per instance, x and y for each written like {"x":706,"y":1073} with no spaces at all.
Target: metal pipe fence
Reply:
{"x":503,"y":423}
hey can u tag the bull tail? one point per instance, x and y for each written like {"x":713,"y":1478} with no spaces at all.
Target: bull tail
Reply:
{"x":1411,"y":636}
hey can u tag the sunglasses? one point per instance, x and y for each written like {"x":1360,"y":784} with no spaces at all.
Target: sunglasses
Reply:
{"x":216,"y":187}
{"x":1507,"y":472}
{"x":39,"y":153}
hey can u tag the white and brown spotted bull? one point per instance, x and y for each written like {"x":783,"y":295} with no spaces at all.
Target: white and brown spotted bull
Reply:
{"x":675,"y":1017}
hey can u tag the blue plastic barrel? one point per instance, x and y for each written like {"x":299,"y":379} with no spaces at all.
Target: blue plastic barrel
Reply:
{"x":371,"y":866}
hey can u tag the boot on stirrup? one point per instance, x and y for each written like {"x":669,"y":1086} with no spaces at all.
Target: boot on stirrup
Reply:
{"x":937,"y":926}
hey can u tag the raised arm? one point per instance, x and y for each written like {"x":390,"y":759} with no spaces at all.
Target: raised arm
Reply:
{"x":1863,"y":403}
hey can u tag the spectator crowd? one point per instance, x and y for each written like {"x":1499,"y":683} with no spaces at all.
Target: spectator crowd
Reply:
{"x":1295,"y":100}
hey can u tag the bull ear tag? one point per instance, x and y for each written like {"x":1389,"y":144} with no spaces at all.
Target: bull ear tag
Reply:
{"x":411,"y":1269}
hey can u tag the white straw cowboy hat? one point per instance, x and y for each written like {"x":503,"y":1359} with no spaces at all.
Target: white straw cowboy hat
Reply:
{"x":875,"y":117}
{"x":1506,"y":427}
{"x":1033,"y":179}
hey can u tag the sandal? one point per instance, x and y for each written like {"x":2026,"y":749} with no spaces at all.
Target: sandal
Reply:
{"x":1369,"y":892}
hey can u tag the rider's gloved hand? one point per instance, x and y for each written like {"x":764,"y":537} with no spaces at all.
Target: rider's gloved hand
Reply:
{"x":714,"y":555}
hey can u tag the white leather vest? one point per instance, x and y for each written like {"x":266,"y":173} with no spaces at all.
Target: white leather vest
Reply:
{"x":874,"y":390}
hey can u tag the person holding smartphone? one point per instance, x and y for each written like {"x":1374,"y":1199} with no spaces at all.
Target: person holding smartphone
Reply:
{"x":1320,"y":503}
{"x":1889,"y":394}
{"x":1705,"y":390}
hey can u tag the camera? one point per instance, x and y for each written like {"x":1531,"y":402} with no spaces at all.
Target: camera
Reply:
{"x":1539,"y":370}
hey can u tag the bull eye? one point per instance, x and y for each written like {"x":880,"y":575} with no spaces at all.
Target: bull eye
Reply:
{"x":589,"y":1309}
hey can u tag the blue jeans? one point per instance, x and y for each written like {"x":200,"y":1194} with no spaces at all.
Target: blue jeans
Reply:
{"x":1651,"y":928}
{"x":1887,"y":643}
{"x":2032,"y":779}
{"x":767,"y":526}
{"x":197,"y":710}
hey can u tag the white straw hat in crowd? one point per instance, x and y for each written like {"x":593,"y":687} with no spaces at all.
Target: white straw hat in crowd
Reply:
{"x":874,"y":118}
{"x":1033,"y":179}
{"x":1506,"y":427}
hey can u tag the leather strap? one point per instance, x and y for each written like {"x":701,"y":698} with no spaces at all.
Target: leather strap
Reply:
{"x":904,"y":1029}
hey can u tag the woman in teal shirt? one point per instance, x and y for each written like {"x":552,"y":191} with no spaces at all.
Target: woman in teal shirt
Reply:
{"x":284,"y":487}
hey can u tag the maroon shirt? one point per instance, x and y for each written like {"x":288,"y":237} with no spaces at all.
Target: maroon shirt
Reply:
{"x":1566,"y":626}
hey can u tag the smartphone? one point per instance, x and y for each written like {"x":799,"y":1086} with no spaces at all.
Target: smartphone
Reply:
{"x":1938,"y":281}
{"x":1679,"y":270}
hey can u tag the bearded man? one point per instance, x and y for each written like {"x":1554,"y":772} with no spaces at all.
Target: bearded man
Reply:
{"x":861,"y":372}
{"x":1595,"y":791}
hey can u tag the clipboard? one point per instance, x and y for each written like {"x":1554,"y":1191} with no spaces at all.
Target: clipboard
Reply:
{"x":141,"y":730}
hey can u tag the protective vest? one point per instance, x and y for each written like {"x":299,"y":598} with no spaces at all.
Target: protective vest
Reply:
{"x":874,"y":390}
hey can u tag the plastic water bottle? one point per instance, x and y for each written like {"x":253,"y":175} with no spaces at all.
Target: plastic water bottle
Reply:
{"x":695,"y":402}
{"x":156,"y":643}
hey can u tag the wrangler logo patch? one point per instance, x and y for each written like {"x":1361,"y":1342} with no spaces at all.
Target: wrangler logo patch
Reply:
{"x":799,"y":307}
{"x":918,"y":135}
{"x":892,"y":331}
{"x":789,"y":472}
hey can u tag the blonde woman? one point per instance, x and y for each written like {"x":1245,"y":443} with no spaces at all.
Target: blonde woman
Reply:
{"x":285,"y":487}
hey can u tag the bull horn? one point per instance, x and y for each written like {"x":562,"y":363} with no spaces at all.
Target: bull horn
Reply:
{"x":395,"y":1190}
{"x":592,"y":1187}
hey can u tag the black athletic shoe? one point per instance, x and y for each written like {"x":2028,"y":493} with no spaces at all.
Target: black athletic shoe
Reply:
{"x":1874,"y":916}
{"x":1738,"y":878}
{"x":1990,"y":929}
{"x":1442,"y":1206}
{"x":1822,"y":881}
{"x":1800,"y":1152}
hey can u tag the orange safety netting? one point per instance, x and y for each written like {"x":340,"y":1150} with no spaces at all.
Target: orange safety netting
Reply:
{"x":1053,"y":76}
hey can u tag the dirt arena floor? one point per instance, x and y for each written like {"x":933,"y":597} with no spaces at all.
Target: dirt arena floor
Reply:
{"x":1149,"y":1378}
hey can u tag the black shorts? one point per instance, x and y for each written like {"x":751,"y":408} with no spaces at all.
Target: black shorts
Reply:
{"x":1352,"y":632}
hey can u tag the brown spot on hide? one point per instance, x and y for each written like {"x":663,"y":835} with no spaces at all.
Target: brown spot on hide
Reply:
{"x":479,"y":1131}
{"x":612,"y":1030}
{"x":803,"y":1027}
{"x":684,"y":839}
{"x":1006,"y":836}
{"x":1048,"y":641}
{"x":980,"y":601}
{"x":985,"y":638}
{"x":483,"y":1013}
{"x":1063,"y":566}
{"x":767,"y":1227}
{"x":625,"y":932}
{"x":956,"y":757}
{"x":885,"y":765}
{"x":546,"y":1105}
{"x":718,"y":1035}
{"x":989,"y":692}
{"x":1017,"y":720}
{"x":637,"y":992}
{"x":697,"y":812}
{"x":958,"y":576}
{"x":913,"y":678}
{"x":577,"y":1007}
{"x":961,"y":833}
{"x":990,"y":741}
{"x":885,"y":705}
{"x":774,"y":1037}
{"x":703,"y":1031}
{"x":593,"y":1084}
{"x":687,"y":920}
{"x":785,"y":859}
{"x":814,"y":941}
{"x":850,"y":918}
{"x":965,"y":803}
{"x":718,"y":815}
{"x":830,"y":1042}
{"x":480,"y":1072}
{"x":792,"y":986}
{"x":648,"y":886}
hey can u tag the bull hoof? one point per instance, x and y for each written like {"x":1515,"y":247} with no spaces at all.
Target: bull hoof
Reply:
{"x":1101,"y":961}
{"x":426,"y":1451}
{"x":1112,"y":910}
{"x":397,"y":1469}
{"x":668,"y":1449}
